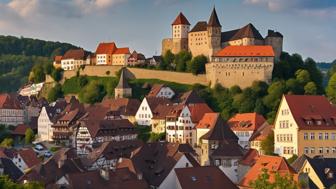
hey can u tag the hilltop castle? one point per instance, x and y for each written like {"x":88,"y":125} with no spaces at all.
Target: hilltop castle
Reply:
{"x":207,"y":38}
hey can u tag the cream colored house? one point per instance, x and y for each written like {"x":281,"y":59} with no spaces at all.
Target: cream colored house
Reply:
{"x":305,"y":125}
{"x":74,"y":59}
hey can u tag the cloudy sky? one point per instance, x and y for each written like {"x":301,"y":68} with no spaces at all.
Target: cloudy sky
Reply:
{"x":308,"y":26}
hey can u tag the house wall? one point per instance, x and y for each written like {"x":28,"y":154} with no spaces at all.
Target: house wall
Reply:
{"x":244,"y":137}
{"x":307,"y":168}
{"x":289,"y":128}
{"x":166,"y":92}
{"x":231,"y":171}
{"x":144,"y":114}
{"x":158,"y":126}
{"x":199,"y":134}
{"x":44,"y":129}
{"x":12,"y":116}
{"x":18,"y":161}
{"x":170,"y":181}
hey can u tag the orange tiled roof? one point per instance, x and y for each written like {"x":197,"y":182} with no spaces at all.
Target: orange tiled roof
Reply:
{"x":198,"y":110}
{"x":250,"y":157}
{"x":208,"y":121}
{"x":106,"y":48}
{"x":181,"y":20}
{"x":273,"y":165}
{"x":124,"y":50}
{"x":246,"y":51}
{"x":246,"y":122}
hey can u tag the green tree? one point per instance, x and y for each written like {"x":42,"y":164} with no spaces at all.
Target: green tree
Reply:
{"x":267,"y":145}
{"x":37,"y":74}
{"x":55,"y":93}
{"x":181,"y":60}
{"x":29,"y":136}
{"x":280,"y":181}
{"x":7,"y":143}
{"x":331,"y":89}
{"x":310,"y":88}
{"x":302,"y":76}
{"x":235,"y":90}
{"x":82,"y":81}
{"x":262,"y":182}
{"x":94,"y":92}
{"x":48,"y":68}
{"x":293,"y":86}
{"x":197,"y":64}
{"x":56,"y":74}
{"x":7,"y":183}
{"x":167,"y":60}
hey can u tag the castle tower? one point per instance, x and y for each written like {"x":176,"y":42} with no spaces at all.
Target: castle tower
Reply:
{"x":214,"y":33}
{"x":275,"y":39}
{"x":180,"y":30}
{"x":123,"y":89}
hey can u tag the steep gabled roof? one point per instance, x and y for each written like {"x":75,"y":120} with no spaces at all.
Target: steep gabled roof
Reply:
{"x":220,"y":132}
{"x":322,"y":167}
{"x":273,"y":165}
{"x":10,"y":169}
{"x":153,"y":102}
{"x":124,"y":50}
{"x":123,"y":84}
{"x":213,"y":20}
{"x":203,"y":177}
{"x":312,"y":108}
{"x":106,"y":48}
{"x":181,"y":20}
{"x":29,"y":157}
{"x":155,"y":90}
{"x":200,"y":26}
{"x":198,"y":110}
{"x":208,"y":121}
{"x":191,"y":97}
{"x":8,"y":101}
{"x":227,"y":35}
{"x":248,"y":31}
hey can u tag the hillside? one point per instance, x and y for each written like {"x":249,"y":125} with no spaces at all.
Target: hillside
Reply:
{"x":19,"y":55}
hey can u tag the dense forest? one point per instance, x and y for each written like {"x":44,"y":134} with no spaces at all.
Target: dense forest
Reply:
{"x":19,"y":55}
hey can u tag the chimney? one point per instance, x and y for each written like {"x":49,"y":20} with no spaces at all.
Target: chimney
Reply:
{"x":104,"y":173}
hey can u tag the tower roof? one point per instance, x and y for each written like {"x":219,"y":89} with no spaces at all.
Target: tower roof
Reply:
{"x":123,"y":80}
{"x":213,"y":21}
{"x":181,"y":20}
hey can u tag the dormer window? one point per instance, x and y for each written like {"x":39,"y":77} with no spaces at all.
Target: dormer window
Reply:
{"x":309,"y":122}
{"x":318,"y":122}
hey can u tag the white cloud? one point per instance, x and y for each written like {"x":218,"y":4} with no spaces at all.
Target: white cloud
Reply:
{"x":317,"y":8}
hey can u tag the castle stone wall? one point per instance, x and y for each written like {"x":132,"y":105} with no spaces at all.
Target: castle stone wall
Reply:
{"x":139,"y":73}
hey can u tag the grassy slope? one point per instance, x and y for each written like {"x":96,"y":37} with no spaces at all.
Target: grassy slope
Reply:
{"x":71,"y":85}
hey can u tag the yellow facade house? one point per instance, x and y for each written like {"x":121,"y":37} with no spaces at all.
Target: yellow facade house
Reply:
{"x":305,"y":125}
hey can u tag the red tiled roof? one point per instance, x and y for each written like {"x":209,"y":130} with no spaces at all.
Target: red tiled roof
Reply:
{"x":29,"y":157}
{"x":250,"y":157}
{"x":246,"y":122}
{"x":198,"y":110}
{"x":273,"y":164}
{"x":181,"y":20}
{"x":124,"y":50}
{"x":208,"y":121}
{"x":306,"y":107}
{"x":20,"y":129}
{"x":262,"y":132}
{"x":203,"y":177}
{"x":57,"y":59}
{"x":106,"y":48}
{"x":77,"y":54}
{"x":9,"y":102}
{"x":155,"y":90}
{"x":246,"y":51}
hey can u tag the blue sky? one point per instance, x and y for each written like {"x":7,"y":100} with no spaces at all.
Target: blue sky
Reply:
{"x":308,"y":26}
